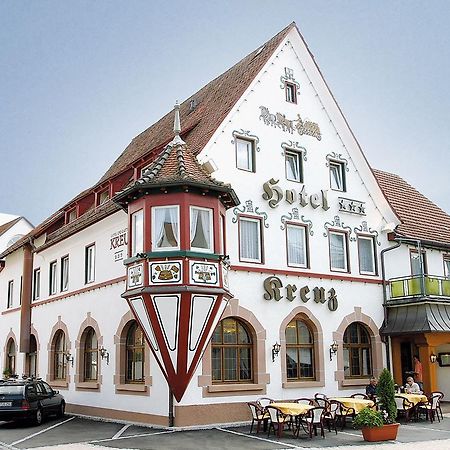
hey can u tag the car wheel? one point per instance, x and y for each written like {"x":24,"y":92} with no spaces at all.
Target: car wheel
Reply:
{"x":61,"y":410}
{"x":38,"y":417}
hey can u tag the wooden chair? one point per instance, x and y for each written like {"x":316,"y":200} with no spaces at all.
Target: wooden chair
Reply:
{"x":312,"y":419}
{"x":259,"y":415}
{"x":278,"y":420}
{"x":342,"y":412}
{"x":431,"y":407}
{"x":360,"y":395}
{"x":404,"y":407}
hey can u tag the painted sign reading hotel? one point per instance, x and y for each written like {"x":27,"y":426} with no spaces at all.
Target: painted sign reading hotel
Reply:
{"x":273,"y":285}
{"x":274,"y":195}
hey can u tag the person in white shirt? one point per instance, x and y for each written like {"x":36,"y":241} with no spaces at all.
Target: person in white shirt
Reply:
{"x":412,"y":387}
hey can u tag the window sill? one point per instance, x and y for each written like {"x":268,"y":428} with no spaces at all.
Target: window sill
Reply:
{"x":132,"y":387}
{"x":88,"y":385}
{"x":235,"y":387}
{"x":302,"y":384}
{"x":58,"y":384}
{"x":355,"y":381}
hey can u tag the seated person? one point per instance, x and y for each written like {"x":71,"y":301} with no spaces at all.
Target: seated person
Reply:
{"x":412,"y":387}
{"x":371,"y":389}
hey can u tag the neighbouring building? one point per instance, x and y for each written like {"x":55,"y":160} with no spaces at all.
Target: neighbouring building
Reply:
{"x":12,"y":228}
{"x":239,"y":255}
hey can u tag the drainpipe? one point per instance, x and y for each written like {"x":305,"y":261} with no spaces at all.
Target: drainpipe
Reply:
{"x":171,"y":415}
{"x":383,"y":277}
{"x":25,"y":307}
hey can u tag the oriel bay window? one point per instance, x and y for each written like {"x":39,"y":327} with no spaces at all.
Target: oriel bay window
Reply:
{"x":299,"y":351}
{"x":90,"y":353}
{"x":134,"y":354}
{"x":165,"y":227}
{"x":297,"y":253}
{"x":250,"y":242}
{"x":201,"y":232}
{"x":338,"y":251}
{"x":366,"y":255}
{"x":357,"y":351}
{"x":232,"y":352}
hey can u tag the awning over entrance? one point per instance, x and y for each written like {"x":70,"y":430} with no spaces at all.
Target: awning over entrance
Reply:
{"x":417,"y":318}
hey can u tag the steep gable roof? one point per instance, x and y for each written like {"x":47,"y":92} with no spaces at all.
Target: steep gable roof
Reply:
{"x":6,"y":226}
{"x":420,"y":217}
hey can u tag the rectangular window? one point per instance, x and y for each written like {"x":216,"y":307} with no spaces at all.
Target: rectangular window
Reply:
{"x":296,"y":246}
{"x":71,"y":215}
{"x":137,"y":232}
{"x":291,"y":92}
{"x":223,"y":247}
{"x":418,"y":264}
{"x":52,"y":285}
{"x":89,"y":264}
{"x":366,"y":255}
{"x":250,"y":240}
{"x":102,"y":197}
{"x":201,"y":231}
{"x":165,"y":227}
{"x":337,"y":176}
{"x":245,"y":154}
{"x":447,"y":266}
{"x":36,"y":284}
{"x":64,"y":273}
{"x":293,"y":164}
{"x":338,"y":251}
{"x":10,"y":294}
{"x":20,"y":291}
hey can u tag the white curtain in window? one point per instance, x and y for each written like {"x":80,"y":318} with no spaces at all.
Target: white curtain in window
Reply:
{"x":200,"y":230}
{"x":292,"y":167}
{"x":137,"y":242}
{"x":296,"y":245}
{"x":163,"y":219}
{"x":447,"y":268}
{"x":65,"y":274}
{"x":365,"y":251}
{"x":249,"y":240}
{"x":337,"y":251}
{"x":336,"y":176}
{"x":244,"y":154}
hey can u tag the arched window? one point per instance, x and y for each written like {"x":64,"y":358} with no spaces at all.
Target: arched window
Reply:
{"x":90,"y":355}
{"x":135,"y":354}
{"x":299,"y":351}
{"x":357,"y":351}
{"x":11,"y":357}
{"x":32,"y":357}
{"x":59,"y":356}
{"x":232,"y":352}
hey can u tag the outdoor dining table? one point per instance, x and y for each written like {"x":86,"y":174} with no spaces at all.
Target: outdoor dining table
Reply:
{"x":414,"y":398}
{"x":358,"y":404}
{"x":292,"y":408}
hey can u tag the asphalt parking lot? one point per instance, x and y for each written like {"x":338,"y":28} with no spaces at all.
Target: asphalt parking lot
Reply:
{"x":78,"y":430}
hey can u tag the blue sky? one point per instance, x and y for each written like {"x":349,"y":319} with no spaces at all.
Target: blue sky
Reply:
{"x":80,"y":79}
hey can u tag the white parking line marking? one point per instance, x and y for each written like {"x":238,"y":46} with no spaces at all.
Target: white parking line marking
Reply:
{"x":42,"y":431}
{"x":121,"y":431}
{"x":8,"y":446}
{"x":426,"y":428}
{"x":131,"y":436}
{"x":284,"y":444}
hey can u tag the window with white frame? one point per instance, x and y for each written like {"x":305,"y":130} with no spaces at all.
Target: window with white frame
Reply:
{"x":291,"y":92}
{"x":89,"y":264}
{"x":337,"y":176}
{"x":52,"y":281}
{"x":366,"y":255}
{"x":418,"y":262}
{"x":65,"y":273}
{"x":250,"y":239}
{"x":36,"y":284}
{"x":293,"y":164}
{"x":166,"y":227}
{"x":297,"y":253}
{"x":201,"y":231}
{"x":10,"y":294}
{"x":338,"y":251}
{"x":447,"y":266}
{"x":137,"y":232}
{"x":245,"y":154}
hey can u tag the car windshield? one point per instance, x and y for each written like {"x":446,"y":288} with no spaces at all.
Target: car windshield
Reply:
{"x":11,"y":390}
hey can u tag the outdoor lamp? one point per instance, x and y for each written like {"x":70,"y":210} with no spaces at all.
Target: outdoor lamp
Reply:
{"x":275,"y":350}
{"x":333,"y":349}
{"x":104,"y":354}
{"x":69,"y":358}
{"x":433,"y":358}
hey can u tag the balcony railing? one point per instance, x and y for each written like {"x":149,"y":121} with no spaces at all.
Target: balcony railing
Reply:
{"x":419,"y":286}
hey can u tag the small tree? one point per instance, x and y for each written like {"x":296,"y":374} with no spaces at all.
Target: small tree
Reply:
{"x":386,"y":396}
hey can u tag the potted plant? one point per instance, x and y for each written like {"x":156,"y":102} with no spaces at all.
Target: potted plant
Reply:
{"x":380,"y":425}
{"x":6,"y":373}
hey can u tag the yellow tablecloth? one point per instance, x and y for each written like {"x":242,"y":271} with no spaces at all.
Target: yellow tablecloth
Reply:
{"x":293,"y":409}
{"x":357,"y":404}
{"x":414,"y":398}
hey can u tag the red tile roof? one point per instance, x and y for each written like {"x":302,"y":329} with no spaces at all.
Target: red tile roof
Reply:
{"x":420,"y":217}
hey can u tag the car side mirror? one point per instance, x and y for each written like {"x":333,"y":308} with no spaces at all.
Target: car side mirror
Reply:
{"x":55,"y":392}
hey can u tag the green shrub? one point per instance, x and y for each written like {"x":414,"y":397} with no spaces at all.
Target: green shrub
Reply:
{"x":386,"y":397}
{"x":368,"y":417}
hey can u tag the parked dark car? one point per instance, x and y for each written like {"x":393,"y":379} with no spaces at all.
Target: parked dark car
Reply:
{"x":30,"y":399}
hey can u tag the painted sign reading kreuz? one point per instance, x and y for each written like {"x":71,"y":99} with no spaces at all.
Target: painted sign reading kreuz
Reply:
{"x":118,"y":239}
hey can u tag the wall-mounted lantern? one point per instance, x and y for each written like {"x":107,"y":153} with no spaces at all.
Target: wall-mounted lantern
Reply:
{"x":69,"y":358}
{"x":333,"y":349}
{"x":433,"y":358}
{"x":275,"y":350}
{"x":104,"y":354}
